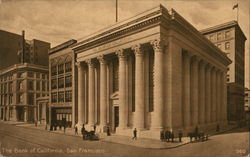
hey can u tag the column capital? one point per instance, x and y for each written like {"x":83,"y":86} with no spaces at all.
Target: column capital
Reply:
{"x":90,"y":63}
{"x":121,"y":55}
{"x":137,"y":50}
{"x":102,"y":59}
{"x":158,"y":45}
{"x":79,"y":64}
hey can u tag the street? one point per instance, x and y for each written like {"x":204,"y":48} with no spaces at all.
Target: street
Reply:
{"x":20,"y":141}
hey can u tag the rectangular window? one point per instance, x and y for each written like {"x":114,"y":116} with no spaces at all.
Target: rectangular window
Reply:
{"x":68,"y":96}
{"x":227,"y":45}
{"x":53,"y":70}
{"x":54,"y":97}
{"x":31,"y":99}
{"x":43,"y":76}
{"x":10,"y":87}
{"x":60,"y":68}
{"x":219,"y":36}
{"x":68,"y":81}
{"x":61,"y":97}
{"x":227,"y":34}
{"x":30,"y":85}
{"x":43,"y":86}
{"x":37,"y":95}
{"x":53,"y":83}
{"x":37,"y":75}
{"x":20,"y":98}
{"x":68,"y":66}
{"x":38,"y":85}
{"x":30,"y":74}
{"x":60,"y":82}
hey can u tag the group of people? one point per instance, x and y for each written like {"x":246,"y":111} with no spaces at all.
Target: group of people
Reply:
{"x":168,"y":136}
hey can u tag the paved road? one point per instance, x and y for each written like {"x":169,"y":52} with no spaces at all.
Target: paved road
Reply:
{"x":20,"y":141}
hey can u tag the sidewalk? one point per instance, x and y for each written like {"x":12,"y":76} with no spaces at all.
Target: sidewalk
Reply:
{"x":140,"y":142}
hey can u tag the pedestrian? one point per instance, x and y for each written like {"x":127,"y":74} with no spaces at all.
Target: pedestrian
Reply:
{"x":83,"y":131}
{"x":64,"y":128}
{"x":180,"y":135}
{"x":45,"y":125}
{"x":76,"y":130}
{"x":135,"y":134}
{"x":108,"y":131}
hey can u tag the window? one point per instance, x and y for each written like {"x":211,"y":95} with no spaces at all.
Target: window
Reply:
{"x":60,"y":68}
{"x":37,"y":75}
{"x":53,"y":83}
{"x":219,"y":36}
{"x":43,"y":86}
{"x":219,"y":46}
{"x":43,"y":76}
{"x":54,"y":97}
{"x":68,"y":81}
{"x":30,"y":85}
{"x":68,"y":96}
{"x":37,"y":85}
{"x":68,"y":66}
{"x":10,"y":87}
{"x":60,"y":82}
{"x":61,"y":97}
{"x":227,"y":45}
{"x":31,"y":99}
{"x":53,"y":70}
{"x":10,"y":99}
{"x":227,"y":34}
{"x":37,"y":95}
{"x":30,"y":74}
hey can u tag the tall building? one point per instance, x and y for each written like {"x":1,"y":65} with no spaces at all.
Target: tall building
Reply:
{"x":231,"y":40}
{"x":23,"y":76}
{"x":15,"y":49}
{"x":151,"y":72}
{"x":62,"y":85}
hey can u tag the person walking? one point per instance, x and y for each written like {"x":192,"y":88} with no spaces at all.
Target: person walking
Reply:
{"x":83,"y":131}
{"x":108,"y":131}
{"x":135,"y":134}
{"x":180,"y":135}
{"x":76,"y":130}
{"x":94,"y":128}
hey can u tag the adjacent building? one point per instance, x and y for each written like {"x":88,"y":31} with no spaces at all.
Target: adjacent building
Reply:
{"x":62,"y":85}
{"x":151,"y":72}
{"x":23,"y":76}
{"x":247,"y":104}
{"x":231,"y":40}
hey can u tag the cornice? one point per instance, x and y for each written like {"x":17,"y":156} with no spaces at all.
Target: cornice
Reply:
{"x":62,"y":46}
{"x":152,"y":17}
{"x":191,"y":31}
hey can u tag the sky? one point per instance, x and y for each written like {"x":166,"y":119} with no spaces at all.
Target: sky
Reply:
{"x":57,"y":21}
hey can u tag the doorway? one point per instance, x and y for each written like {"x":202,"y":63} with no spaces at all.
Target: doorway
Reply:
{"x":116,"y":117}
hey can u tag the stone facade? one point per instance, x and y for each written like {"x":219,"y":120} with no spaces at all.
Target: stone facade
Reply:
{"x":62,"y":85}
{"x":20,"y":86}
{"x":152,"y":72}
{"x":230,"y":39}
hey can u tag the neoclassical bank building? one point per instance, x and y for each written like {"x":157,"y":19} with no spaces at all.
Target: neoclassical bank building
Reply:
{"x":152,"y":72}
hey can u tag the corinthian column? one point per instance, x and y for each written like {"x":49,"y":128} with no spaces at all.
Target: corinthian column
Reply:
{"x":157,"y":121}
{"x":103,"y":91}
{"x":194,"y":91}
{"x":218,"y":103}
{"x":202,"y":93}
{"x":208,"y":93}
{"x":80,"y":94}
{"x":213,"y":92}
{"x":122,"y":89}
{"x":186,"y":89}
{"x":91,"y":95}
{"x":139,"y":88}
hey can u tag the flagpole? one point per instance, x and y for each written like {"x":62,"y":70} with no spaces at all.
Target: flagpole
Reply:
{"x":116,"y":10}
{"x":238,"y":13}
